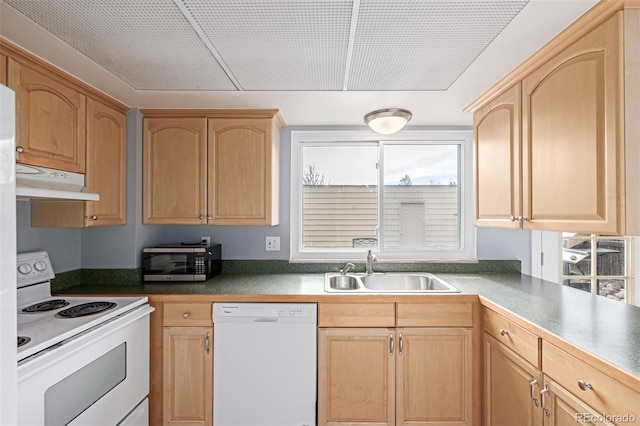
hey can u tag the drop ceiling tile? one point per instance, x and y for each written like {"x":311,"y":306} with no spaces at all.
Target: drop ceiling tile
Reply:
{"x":422,"y":45}
{"x":278,"y":44}
{"x":149,"y":44}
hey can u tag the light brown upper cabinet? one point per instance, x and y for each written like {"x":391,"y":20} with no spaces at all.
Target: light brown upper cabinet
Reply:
{"x":556,"y":141}
{"x":175,"y":170}
{"x":215,"y":167}
{"x":497,"y":171}
{"x":573,"y":144}
{"x":51,"y":117}
{"x":106,"y":175}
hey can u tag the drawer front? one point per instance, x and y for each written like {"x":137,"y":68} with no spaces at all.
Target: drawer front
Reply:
{"x":356,"y":315}
{"x":435,"y":315}
{"x":187,"y":314}
{"x":605,"y":395}
{"x":521,"y":341}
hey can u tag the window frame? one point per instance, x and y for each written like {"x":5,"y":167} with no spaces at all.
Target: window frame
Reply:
{"x":593,"y":276}
{"x":462,"y":138}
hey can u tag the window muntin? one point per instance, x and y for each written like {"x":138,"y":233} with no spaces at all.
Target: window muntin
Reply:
{"x":359,"y":156}
{"x":597,"y":264}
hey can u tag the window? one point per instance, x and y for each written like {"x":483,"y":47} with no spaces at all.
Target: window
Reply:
{"x":597,"y":264}
{"x":403,"y":198}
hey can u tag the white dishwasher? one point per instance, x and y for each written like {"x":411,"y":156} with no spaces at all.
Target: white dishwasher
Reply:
{"x":264,"y":364}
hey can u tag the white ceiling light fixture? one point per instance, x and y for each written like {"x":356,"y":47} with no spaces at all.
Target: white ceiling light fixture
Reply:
{"x":387,"y":121}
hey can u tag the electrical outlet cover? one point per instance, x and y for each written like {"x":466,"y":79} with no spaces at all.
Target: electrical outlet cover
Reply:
{"x":205,"y":240}
{"x":273,"y":244}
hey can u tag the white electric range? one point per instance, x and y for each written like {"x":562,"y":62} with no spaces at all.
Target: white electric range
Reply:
{"x":81,"y":360}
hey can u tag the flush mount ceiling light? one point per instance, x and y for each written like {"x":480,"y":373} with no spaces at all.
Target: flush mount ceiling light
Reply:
{"x":388,"y":120}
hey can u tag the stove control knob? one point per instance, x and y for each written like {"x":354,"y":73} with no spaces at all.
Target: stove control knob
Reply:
{"x":24,"y":269}
{"x":40,"y":266}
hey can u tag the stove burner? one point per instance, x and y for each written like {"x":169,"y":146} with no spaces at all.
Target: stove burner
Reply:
{"x":85,"y":309}
{"x":23,"y":340}
{"x":49,"y":305}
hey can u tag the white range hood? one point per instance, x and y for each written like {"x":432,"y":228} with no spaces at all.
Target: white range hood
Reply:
{"x":43,"y":183}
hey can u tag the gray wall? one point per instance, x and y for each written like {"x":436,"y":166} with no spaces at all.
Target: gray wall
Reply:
{"x":62,"y":244}
{"x":120,"y":246}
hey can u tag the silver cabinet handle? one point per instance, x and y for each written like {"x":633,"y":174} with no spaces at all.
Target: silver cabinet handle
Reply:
{"x":522,"y":219}
{"x":584,"y":385}
{"x":533,"y":385}
{"x":504,"y":332}
{"x":19,"y":149}
{"x":513,"y":219}
{"x":206,"y":343}
{"x":400,"y":344}
{"x":391,"y":346}
{"x":209,"y":217}
{"x":201,"y":217}
{"x":547,"y":412}
{"x":185,"y":315}
{"x":93,"y":217}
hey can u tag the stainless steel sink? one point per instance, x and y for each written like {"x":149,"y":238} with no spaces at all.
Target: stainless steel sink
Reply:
{"x":393,"y":282}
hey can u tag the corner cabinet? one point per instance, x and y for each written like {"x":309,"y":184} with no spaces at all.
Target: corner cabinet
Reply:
{"x":531,"y":382}
{"x":556,"y":140}
{"x":215,"y":167}
{"x":497,"y":161}
{"x":106,"y":175}
{"x":64,"y":124}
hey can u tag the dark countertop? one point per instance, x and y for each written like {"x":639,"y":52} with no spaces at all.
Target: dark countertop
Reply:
{"x":605,"y":328}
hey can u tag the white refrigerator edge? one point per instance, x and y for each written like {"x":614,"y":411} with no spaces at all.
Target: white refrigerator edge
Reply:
{"x":8,"y":315}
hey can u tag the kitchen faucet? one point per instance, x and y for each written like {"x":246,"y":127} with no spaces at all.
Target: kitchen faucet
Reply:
{"x":347,"y":268}
{"x":371,"y":258}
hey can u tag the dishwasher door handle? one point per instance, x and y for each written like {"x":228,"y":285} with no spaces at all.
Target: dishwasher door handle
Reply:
{"x":265,"y":319}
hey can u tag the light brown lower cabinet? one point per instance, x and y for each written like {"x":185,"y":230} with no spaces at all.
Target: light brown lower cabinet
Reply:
{"x":187,"y":376}
{"x":511,"y":387}
{"x":394,"y":376}
{"x":517,"y":393}
{"x":562,"y":408}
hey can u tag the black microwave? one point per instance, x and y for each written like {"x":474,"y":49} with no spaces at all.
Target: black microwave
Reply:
{"x":181,"y":262}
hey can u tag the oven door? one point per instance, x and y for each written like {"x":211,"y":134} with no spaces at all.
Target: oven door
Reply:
{"x":95,"y":378}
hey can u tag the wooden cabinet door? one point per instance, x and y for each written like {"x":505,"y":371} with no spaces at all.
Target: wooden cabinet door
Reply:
{"x":433,"y":376}
{"x":187,"y":376}
{"x":497,"y":161}
{"x":562,"y":408}
{"x":511,"y":387}
{"x":573,"y":141}
{"x":240,"y":171}
{"x":106,"y":164}
{"x":50,"y":117}
{"x":356,"y":380}
{"x":175,"y":171}
{"x":3,"y":69}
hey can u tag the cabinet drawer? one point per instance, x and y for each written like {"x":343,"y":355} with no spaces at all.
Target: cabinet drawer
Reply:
{"x":435,"y":315}
{"x":521,"y":341}
{"x":356,"y":315}
{"x":187,"y":314}
{"x":606,"y":395}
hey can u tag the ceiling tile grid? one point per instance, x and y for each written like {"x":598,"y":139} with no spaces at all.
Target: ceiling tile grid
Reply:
{"x":147,"y":43}
{"x":278,"y":44}
{"x":422,"y":45}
